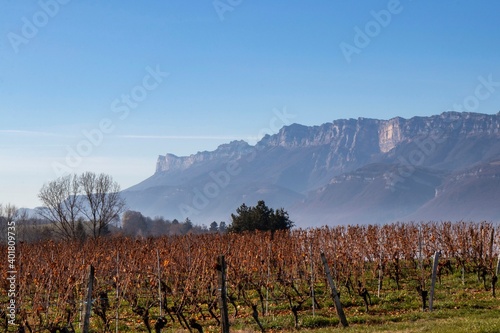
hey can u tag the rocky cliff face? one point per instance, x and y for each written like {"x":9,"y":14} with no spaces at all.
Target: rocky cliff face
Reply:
{"x":350,"y":140}
{"x":310,"y":169}
{"x":389,"y":134}
{"x":232,"y":150}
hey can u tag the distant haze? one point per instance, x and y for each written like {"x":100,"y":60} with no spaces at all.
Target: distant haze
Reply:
{"x":106,"y":86}
{"x":442,"y":167}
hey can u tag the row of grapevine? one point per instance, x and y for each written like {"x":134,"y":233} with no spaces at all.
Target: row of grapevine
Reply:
{"x":149,"y":284}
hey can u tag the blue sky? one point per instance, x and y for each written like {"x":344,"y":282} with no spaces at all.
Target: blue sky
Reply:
{"x":65,"y":67}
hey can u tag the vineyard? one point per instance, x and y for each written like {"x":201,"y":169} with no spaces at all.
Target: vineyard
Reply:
{"x":172,"y":283}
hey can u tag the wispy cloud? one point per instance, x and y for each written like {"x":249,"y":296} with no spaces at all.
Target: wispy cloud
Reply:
{"x":34,"y":133}
{"x":179,"y":137}
{"x":37,"y":145}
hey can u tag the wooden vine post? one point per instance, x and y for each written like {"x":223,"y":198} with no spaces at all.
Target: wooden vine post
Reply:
{"x":159,"y":282}
{"x":494,"y":278}
{"x":437,"y":254}
{"x":494,"y":275}
{"x":88,"y":303}
{"x":221,"y":268}
{"x":335,"y":294}
{"x":117,"y":291}
{"x":313,"y":300}
{"x":420,"y":258}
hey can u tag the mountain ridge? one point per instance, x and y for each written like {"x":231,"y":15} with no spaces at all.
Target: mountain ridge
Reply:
{"x":290,"y":167}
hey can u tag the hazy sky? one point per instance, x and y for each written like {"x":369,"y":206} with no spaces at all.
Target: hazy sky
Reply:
{"x":107,"y":86}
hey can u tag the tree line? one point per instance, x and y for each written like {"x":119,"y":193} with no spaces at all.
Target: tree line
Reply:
{"x":90,"y":205}
{"x":177,"y":276}
{"x":135,"y":224}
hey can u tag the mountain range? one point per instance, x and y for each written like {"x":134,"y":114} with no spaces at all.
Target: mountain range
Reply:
{"x":356,"y":171}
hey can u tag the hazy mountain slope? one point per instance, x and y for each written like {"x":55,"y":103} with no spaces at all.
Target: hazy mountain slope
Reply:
{"x":471,"y":194}
{"x":364,"y":196}
{"x":352,"y":170}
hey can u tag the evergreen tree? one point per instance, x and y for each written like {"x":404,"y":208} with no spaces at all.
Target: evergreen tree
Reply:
{"x":214,"y":227}
{"x":260,"y":218}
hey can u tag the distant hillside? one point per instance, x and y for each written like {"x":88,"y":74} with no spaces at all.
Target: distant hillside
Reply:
{"x":348,"y":171}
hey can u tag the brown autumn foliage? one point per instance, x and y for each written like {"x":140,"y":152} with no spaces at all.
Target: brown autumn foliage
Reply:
{"x":135,"y":277}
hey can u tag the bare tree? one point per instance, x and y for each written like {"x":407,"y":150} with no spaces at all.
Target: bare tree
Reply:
{"x":3,"y":225}
{"x":22,"y":225}
{"x":70,"y":202}
{"x":62,"y":205}
{"x":8,"y":214}
{"x":103,"y":203}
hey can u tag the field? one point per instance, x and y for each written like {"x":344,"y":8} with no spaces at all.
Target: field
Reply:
{"x":172,"y":283}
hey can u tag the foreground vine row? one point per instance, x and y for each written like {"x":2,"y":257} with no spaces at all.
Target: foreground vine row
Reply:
{"x":150,"y":284}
